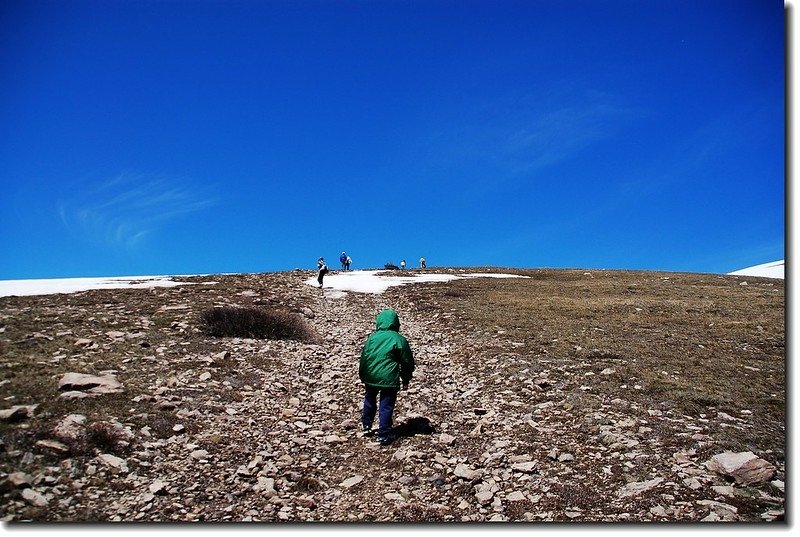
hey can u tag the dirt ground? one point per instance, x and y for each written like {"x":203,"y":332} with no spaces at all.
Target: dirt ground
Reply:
{"x":548,"y":398}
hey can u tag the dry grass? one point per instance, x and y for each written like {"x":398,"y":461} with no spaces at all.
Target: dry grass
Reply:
{"x":690,"y":343}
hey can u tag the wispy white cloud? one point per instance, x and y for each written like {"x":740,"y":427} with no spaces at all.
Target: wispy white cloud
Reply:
{"x":513,"y":139}
{"x":558,"y":134}
{"x":126,"y":209}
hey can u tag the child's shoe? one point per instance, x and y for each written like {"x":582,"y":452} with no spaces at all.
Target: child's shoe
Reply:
{"x":366,"y":430}
{"x":386,"y":440}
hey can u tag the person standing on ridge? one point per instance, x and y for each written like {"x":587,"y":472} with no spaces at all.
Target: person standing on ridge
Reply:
{"x":347,"y":263}
{"x":343,"y":260}
{"x":421,"y":262}
{"x":386,"y":360}
{"x":403,"y":264}
{"x":322,"y":269}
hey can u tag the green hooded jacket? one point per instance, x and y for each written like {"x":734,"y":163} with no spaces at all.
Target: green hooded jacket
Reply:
{"x":386,"y":357}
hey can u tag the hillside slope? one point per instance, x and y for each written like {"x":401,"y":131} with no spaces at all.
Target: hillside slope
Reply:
{"x":569,"y":395}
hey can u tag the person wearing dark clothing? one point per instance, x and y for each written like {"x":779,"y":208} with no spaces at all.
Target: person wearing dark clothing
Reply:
{"x":322,"y":269}
{"x":386,"y":361}
{"x":343,"y":260}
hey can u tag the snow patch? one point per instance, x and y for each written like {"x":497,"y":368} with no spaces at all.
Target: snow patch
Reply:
{"x":73,"y":285}
{"x":372,"y":281}
{"x":775,"y":269}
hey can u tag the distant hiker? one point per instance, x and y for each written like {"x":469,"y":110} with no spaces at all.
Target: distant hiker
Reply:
{"x":347,"y":263}
{"x":403,"y":264}
{"x":386,"y":359}
{"x":323,"y":270}
{"x":343,"y":260}
{"x":421,"y":262}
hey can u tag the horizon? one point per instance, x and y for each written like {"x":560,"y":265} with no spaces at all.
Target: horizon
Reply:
{"x":412,"y":270}
{"x":206,"y":137}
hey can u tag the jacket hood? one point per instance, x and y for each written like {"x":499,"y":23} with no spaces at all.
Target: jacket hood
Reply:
{"x":387,"y":320}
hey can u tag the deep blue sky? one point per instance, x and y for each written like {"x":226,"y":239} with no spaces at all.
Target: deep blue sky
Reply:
{"x":176,"y":137}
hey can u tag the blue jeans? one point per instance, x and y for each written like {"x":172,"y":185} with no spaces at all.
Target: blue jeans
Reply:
{"x":388,"y":398}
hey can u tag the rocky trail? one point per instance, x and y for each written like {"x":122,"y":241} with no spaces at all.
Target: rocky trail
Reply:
{"x":231,"y":429}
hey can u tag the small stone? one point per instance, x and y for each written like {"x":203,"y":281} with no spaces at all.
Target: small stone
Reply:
{"x":53,"y":445}
{"x":34,"y":498}
{"x":18,"y":412}
{"x":524,"y":467}
{"x":638,"y":487}
{"x":465,"y":472}
{"x":70,"y":395}
{"x":165,"y":405}
{"x":178,"y":428}
{"x":351,"y":481}
{"x":658,"y":511}
{"x":71,"y":428}
{"x":515,"y":496}
{"x":205,"y":376}
{"x":19,"y":480}
{"x":158,"y":487}
{"x":265,"y":485}
{"x":447,"y":439}
{"x":199,"y":454}
{"x":693,"y":483}
{"x":113,"y":461}
{"x":566,"y":457}
{"x":723,"y":490}
{"x":484,"y":496}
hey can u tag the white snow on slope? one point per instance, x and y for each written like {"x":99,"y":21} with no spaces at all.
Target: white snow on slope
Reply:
{"x":73,"y":285}
{"x":371,"y":281}
{"x":362,"y":281}
{"x":774,"y":269}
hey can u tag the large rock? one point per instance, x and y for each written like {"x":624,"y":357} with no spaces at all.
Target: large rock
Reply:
{"x":745,"y":467}
{"x":18,"y":412}
{"x":90,"y":383}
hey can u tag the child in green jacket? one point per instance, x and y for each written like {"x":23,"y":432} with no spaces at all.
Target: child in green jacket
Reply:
{"x":386,"y":360}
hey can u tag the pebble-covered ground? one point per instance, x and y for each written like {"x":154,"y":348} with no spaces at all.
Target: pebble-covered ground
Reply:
{"x":534,"y":400}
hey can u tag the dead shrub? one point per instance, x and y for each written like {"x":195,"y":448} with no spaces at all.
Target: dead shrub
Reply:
{"x":308,"y":484}
{"x":107,"y":437}
{"x":257,"y":323}
{"x":102,"y":436}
